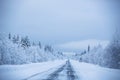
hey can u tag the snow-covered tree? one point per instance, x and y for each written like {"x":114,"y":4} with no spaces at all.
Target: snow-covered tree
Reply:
{"x":106,"y":57}
{"x":88,"y":48}
{"x":113,"y":50}
{"x":2,"y":48}
{"x":48,"y":48}
{"x":39,"y":44}
{"x":21,"y":52}
{"x":25,"y":42}
{"x":9,"y":36}
{"x":15,"y":39}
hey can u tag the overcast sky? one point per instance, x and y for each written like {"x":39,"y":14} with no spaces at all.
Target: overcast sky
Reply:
{"x":59,"y":21}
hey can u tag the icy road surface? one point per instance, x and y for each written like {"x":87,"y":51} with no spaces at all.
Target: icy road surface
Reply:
{"x":65,"y":72}
{"x":58,"y":70}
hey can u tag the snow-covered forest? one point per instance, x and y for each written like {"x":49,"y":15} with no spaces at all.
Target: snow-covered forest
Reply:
{"x":59,"y":39}
{"x":20,"y":50}
{"x":105,"y":57}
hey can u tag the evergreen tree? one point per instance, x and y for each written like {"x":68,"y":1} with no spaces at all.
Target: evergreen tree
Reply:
{"x":9,"y":36}
{"x":15,"y":39}
{"x":48,"y":48}
{"x":88,"y":48}
{"x":39,"y":44}
{"x":113,"y":51}
{"x":25,"y":42}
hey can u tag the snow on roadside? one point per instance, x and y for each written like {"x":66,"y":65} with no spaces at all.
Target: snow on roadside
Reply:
{"x":87,"y":71}
{"x":18,"y":72}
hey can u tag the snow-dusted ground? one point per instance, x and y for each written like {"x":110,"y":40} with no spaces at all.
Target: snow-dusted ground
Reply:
{"x":20,"y":72}
{"x":87,"y":71}
{"x":59,"y":69}
{"x":65,"y":72}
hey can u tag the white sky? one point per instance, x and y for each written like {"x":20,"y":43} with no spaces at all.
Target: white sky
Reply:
{"x":60,"y":21}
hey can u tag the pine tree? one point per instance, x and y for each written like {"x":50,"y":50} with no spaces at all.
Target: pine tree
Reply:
{"x":9,"y":36}
{"x":88,"y":48}
{"x":25,"y":42}
{"x":14,"y":39}
{"x":39,"y":44}
{"x":48,"y":48}
{"x":113,"y":50}
{"x":17,"y":39}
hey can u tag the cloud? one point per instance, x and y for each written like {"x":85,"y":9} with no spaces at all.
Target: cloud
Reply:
{"x":58,"y":21}
{"x":83,"y":44}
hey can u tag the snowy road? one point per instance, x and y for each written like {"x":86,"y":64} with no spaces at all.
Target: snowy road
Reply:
{"x":58,"y":70}
{"x":65,"y":72}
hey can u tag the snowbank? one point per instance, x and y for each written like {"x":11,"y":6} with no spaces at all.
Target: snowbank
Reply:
{"x":18,"y":72}
{"x":87,"y":71}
